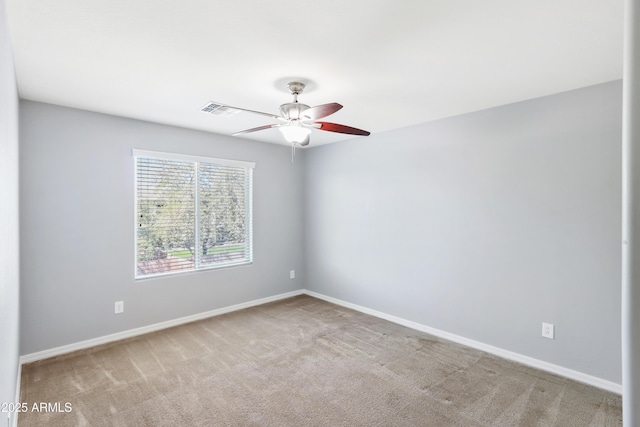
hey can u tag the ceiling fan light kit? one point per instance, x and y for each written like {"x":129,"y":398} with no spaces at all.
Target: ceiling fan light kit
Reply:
{"x":296,"y":120}
{"x":294,"y":132}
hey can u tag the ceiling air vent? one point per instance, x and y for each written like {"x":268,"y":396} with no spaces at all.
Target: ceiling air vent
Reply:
{"x":219,"y":110}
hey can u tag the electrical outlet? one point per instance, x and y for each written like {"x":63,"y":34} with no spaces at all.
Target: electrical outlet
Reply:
{"x":547,"y":330}
{"x":292,"y":274}
{"x":119,"y":307}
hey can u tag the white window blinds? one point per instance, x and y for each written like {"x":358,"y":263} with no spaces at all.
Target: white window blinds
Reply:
{"x":191,"y":213}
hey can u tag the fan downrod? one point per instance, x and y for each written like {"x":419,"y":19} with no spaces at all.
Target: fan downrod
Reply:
{"x":293,"y":110}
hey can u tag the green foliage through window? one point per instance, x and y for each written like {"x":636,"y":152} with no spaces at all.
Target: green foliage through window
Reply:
{"x":191,"y":214}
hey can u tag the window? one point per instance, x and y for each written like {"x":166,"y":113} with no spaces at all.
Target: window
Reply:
{"x":192,"y":213}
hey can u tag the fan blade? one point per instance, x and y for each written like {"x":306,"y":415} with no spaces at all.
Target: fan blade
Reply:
{"x":305,"y":142}
{"x":320,"y":111}
{"x":334,"y":127}
{"x":273,"y":116}
{"x":275,"y":125}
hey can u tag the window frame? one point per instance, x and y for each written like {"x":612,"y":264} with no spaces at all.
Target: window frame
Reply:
{"x":249,"y":166}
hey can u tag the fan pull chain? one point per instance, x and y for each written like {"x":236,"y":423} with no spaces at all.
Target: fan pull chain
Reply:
{"x":293,"y":151}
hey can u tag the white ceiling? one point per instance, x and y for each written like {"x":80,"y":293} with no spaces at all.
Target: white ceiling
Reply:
{"x":390,"y":63}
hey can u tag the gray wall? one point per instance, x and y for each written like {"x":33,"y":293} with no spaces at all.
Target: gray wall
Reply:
{"x":77,"y":226}
{"x":483,"y":225}
{"x":9,"y":246}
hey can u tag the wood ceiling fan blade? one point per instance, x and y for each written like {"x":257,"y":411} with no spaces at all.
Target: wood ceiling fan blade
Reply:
{"x":320,"y":111}
{"x":334,"y":127}
{"x":275,"y":125}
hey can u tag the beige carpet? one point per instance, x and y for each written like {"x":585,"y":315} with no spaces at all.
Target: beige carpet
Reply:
{"x":302,"y":362}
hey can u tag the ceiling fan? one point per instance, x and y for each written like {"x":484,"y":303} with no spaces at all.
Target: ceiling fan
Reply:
{"x":296,"y":120}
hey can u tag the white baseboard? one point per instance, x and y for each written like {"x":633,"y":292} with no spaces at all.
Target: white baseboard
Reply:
{"x":516,"y":357}
{"x":57,"y":351}
{"x":506,"y":354}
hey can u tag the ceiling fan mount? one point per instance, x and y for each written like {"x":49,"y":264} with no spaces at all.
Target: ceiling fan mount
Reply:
{"x":296,"y":120}
{"x":296,"y":88}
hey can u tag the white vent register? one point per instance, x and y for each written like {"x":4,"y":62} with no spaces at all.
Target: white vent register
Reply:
{"x":219,"y":110}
